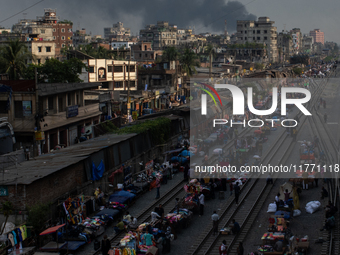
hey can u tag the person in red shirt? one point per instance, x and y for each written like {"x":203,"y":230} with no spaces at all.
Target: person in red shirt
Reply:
{"x":158,"y":186}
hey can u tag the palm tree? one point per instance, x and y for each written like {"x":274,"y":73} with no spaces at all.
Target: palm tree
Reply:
{"x":7,"y":210}
{"x":171,"y":54}
{"x":212,"y":53}
{"x":189,"y":61}
{"x":13,"y":58}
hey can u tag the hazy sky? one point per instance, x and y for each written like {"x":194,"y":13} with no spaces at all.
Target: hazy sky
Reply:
{"x":205,"y":15}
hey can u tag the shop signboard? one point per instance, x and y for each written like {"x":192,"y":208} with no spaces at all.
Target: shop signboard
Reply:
{"x":134,"y":115}
{"x":27,"y":108}
{"x":72,"y":111}
{"x":39,"y":136}
{"x":3,"y":191}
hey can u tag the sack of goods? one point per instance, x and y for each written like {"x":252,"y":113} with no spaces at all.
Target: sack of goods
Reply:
{"x":272,"y":208}
{"x":312,"y":206}
{"x":296,"y":213}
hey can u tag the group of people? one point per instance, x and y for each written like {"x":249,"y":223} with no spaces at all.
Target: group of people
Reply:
{"x":223,"y":249}
{"x":126,"y":223}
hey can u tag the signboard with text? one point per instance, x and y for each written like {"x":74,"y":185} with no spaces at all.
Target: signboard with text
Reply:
{"x":3,"y":191}
{"x":72,"y":111}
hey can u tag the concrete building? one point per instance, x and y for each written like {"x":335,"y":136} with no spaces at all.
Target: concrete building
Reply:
{"x":307,"y":43}
{"x":80,"y":37}
{"x":261,"y":31}
{"x":143,"y":52}
{"x":285,"y":46}
{"x":115,"y":45}
{"x":162,"y":35}
{"x":318,"y":36}
{"x":113,"y":74}
{"x":116,"y":30}
{"x":297,"y":40}
{"x":42,"y":50}
{"x":63,"y":115}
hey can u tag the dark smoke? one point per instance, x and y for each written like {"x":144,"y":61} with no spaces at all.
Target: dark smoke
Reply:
{"x":205,"y":15}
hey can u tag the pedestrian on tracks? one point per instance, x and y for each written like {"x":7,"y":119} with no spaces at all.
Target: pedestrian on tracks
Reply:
{"x":325,"y":117}
{"x":240,"y":249}
{"x":158,"y":186}
{"x":316,"y":141}
{"x":317,"y":175}
{"x":215,"y":218}
{"x":106,"y":245}
{"x":235,"y":227}
{"x":294,"y":134}
{"x":237,"y":192}
{"x":236,"y":133}
{"x":223,"y":249}
{"x":201,"y":200}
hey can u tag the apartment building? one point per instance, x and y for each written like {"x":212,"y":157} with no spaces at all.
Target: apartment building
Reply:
{"x":297,"y":40}
{"x":115,"y":45}
{"x":116,"y":30}
{"x":318,"y":36}
{"x":261,"y":31}
{"x":307,"y":43}
{"x":42,"y":50}
{"x":143,"y":52}
{"x":113,"y":74}
{"x":285,"y":46}
{"x":161,"y":35}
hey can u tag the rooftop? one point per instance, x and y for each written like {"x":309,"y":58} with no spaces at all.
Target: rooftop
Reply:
{"x":29,"y":171}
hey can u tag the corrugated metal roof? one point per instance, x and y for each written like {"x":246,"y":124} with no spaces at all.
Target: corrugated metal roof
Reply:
{"x":46,"y":164}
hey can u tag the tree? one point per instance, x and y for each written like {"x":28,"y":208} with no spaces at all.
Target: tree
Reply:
{"x":55,"y":71}
{"x":189,"y":62}
{"x":210,"y":50}
{"x":7,"y":210}
{"x":13,"y":58}
{"x":171,"y":54}
{"x":38,"y":216}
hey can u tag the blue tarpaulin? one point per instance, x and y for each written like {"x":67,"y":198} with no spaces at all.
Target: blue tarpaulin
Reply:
{"x":122,"y":197}
{"x":97,"y":172}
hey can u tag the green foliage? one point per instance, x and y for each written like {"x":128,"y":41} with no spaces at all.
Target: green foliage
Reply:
{"x":108,"y":126}
{"x":38,"y":216}
{"x":300,"y":59}
{"x":297,"y":70}
{"x":170,"y":54}
{"x":259,"y":66}
{"x":159,"y":129}
{"x":189,"y":61}
{"x":13,"y":57}
{"x":55,"y":71}
{"x":6,"y":209}
{"x":247,"y":45}
{"x":65,"y":21}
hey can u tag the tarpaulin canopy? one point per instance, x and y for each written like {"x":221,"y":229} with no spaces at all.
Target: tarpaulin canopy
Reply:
{"x":52,"y":230}
{"x":97,"y":172}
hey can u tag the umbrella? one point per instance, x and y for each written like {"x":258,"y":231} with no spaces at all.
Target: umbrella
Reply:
{"x":256,"y":156}
{"x":179,"y":159}
{"x":217,"y":151}
{"x":186,"y":153}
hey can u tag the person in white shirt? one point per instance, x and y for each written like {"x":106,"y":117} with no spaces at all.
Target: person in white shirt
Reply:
{"x":154,"y":216}
{"x":201,"y":199}
{"x":127,"y":218}
{"x":133,"y":223}
{"x":215,"y":218}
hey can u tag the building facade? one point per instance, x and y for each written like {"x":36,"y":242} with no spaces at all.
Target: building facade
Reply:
{"x":285,"y":46}
{"x":318,"y":36}
{"x":117,"y":30}
{"x":143,"y":52}
{"x":261,"y":31}
{"x":115,"y":45}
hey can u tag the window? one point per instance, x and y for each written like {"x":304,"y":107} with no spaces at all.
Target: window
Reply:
{"x":50,"y":103}
{"x":110,"y":69}
{"x":39,"y":60}
{"x":60,"y":104}
{"x":265,"y":31}
{"x":69,"y":99}
{"x":53,"y":37}
{"x":258,"y":31}
{"x":22,"y":109}
{"x":77,"y":99}
{"x":48,"y":49}
{"x":245,"y":32}
{"x":253,"y":31}
{"x":42,"y":31}
{"x":146,"y":55}
{"x":254,"y":38}
{"x":3,"y":106}
{"x":54,"y":30}
{"x":241,"y":38}
{"x":63,"y":45}
{"x":39,"y":49}
{"x":119,"y":84}
{"x":241,"y":32}
{"x":265,"y":38}
{"x":245,"y":38}
{"x":118,"y":69}
{"x":63,"y":30}
{"x":132,"y":68}
{"x":140,"y":55}
{"x":70,"y":30}
{"x":91,"y":69}
{"x":63,"y":38}
{"x":258,"y":38}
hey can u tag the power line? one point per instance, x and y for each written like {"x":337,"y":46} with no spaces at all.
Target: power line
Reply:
{"x":22,"y":11}
{"x":226,"y":14}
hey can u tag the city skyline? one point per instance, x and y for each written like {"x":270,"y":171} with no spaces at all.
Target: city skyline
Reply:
{"x":201,"y":14}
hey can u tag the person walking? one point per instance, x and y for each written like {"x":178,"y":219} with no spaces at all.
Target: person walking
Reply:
{"x":166,"y":241}
{"x":235,"y":227}
{"x":201,"y":200}
{"x":240,"y":249}
{"x":237,"y":192}
{"x":106,"y":245}
{"x":287,"y":194}
{"x":325,"y":117}
{"x":215,"y":218}
{"x":158,"y":186}
{"x":294,"y":134}
{"x":317,"y":175}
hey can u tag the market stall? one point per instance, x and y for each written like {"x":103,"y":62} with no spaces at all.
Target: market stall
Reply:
{"x":53,"y":245}
{"x":122,"y":197}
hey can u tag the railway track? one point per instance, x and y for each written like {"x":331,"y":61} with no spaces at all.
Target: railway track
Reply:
{"x":246,"y":212}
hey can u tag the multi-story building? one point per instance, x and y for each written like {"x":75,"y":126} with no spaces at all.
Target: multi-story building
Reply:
{"x":113,"y":74}
{"x":297,"y":40}
{"x":261,"y":31}
{"x":116,"y":30}
{"x":161,"y":36}
{"x":307,"y":43}
{"x":285,"y":46}
{"x":80,"y":37}
{"x":41,"y":50}
{"x":318,"y":36}
{"x":143,"y":52}
{"x":115,"y":45}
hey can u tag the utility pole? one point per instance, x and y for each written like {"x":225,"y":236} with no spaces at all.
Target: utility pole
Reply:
{"x":128,"y":93}
{"x":37,"y":112}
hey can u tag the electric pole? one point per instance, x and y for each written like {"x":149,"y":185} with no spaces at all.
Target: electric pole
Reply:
{"x":128,"y":93}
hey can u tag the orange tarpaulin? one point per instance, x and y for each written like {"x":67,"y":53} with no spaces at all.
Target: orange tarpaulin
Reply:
{"x":52,"y":230}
